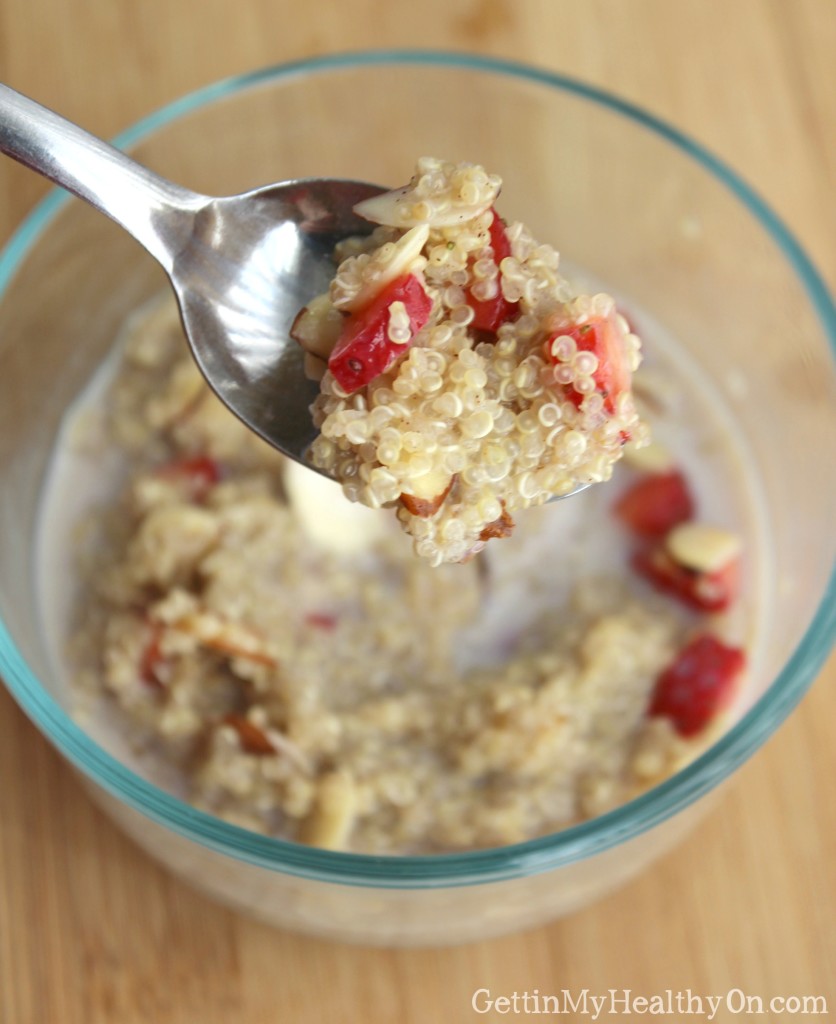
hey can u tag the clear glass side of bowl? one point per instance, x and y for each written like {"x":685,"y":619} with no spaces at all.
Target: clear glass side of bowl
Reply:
{"x":629,"y":206}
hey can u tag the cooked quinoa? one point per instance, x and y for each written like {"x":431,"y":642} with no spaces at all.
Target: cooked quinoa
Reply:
{"x":306,"y":681}
{"x":466,"y":379}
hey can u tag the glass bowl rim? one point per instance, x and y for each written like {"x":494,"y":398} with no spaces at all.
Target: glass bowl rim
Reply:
{"x":480,"y":866}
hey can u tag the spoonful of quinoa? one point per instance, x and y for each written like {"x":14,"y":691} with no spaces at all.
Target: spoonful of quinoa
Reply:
{"x":444,"y":368}
{"x":462,"y":378}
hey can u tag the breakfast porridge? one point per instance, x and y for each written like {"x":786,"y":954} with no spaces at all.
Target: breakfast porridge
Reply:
{"x":276,"y":655}
{"x":463,"y":378}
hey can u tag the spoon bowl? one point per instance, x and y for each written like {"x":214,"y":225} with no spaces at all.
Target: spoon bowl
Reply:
{"x":241,"y":266}
{"x":252,"y":262}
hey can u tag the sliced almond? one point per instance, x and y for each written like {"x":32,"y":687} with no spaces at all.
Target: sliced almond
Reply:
{"x":317,"y":327}
{"x":502,"y":527}
{"x":330,"y":822}
{"x":405,"y":258}
{"x":227,"y":638}
{"x":649,"y":458}
{"x":403,"y":208}
{"x":251,"y":738}
{"x":392,"y":208}
{"x":314,"y":367}
{"x":327,"y":518}
{"x":428,"y":493}
{"x":703,"y":548}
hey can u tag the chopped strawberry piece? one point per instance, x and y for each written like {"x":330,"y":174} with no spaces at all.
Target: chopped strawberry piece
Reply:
{"x":704,"y":591}
{"x":198,"y":474}
{"x":500,"y":242}
{"x":252,"y":739}
{"x":151,"y":660}
{"x":490,"y":314}
{"x":655,"y":504}
{"x":604,"y":338}
{"x":699,"y":684}
{"x":319,"y":620}
{"x":364,"y":349}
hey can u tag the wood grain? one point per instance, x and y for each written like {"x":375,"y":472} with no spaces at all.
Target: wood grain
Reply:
{"x":91,"y":930}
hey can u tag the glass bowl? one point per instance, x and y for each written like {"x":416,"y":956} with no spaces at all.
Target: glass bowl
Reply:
{"x":632,"y":201}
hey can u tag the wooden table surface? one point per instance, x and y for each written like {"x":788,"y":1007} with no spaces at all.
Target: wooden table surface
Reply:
{"x":91,"y":930}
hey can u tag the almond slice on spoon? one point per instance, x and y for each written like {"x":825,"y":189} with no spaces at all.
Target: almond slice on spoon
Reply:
{"x":404,"y":208}
{"x":317,"y":327}
{"x":404,"y":257}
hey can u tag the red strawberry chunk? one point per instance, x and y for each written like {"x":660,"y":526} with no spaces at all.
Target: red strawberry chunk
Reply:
{"x":490,"y":314}
{"x":364,"y":349}
{"x":655,"y":504}
{"x":699,"y":684}
{"x":321,"y":620}
{"x":703,"y":591}
{"x":603,"y":336}
{"x":197,"y":474}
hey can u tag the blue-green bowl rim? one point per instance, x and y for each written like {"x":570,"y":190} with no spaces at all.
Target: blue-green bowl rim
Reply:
{"x":480,"y":866}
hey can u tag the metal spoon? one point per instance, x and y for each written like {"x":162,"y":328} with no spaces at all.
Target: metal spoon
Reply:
{"x":241,"y":266}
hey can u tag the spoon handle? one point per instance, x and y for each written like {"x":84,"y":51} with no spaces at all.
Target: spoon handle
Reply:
{"x":156,"y":212}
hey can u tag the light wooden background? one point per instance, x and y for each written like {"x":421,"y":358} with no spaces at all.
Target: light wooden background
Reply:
{"x":91,"y":930}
